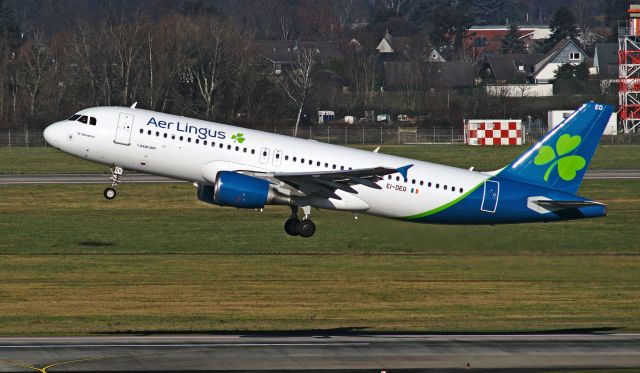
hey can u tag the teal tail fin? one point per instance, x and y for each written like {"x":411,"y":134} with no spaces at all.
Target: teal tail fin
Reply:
{"x":560,"y":160}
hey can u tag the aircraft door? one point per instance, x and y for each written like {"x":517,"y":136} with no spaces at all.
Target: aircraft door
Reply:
{"x":277,"y":158}
{"x":123,"y":131}
{"x":490,"y":197}
{"x":264,"y":155}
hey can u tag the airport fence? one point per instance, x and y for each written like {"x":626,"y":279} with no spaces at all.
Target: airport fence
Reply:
{"x":351,"y":134}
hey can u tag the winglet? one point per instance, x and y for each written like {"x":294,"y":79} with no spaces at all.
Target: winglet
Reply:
{"x":376,"y":149}
{"x":403,"y":170}
{"x":134,"y":105}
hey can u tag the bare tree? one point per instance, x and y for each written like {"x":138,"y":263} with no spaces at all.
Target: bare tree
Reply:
{"x":127,"y":48}
{"x":33,"y":65}
{"x":299,"y":80}
{"x":395,"y":5}
{"x":344,"y":10}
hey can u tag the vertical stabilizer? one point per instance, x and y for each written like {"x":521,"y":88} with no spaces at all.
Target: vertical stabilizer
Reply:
{"x":560,"y":159}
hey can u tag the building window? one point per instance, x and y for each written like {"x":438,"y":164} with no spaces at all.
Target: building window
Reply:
{"x":575,"y":56}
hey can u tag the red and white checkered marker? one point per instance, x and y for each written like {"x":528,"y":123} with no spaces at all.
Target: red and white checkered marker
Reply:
{"x":497,"y":132}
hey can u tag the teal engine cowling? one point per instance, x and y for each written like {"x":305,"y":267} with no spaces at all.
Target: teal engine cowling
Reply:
{"x":241,"y":191}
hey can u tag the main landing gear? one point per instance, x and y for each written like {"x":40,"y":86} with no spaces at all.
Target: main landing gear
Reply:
{"x":296,"y":227}
{"x":110,"y":192}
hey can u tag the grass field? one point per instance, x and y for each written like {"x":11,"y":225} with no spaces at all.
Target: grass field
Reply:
{"x":156,"y":260}
{"x":49,"y":160}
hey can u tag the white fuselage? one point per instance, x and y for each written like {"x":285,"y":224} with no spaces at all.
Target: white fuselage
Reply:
{"x":194,"y":150}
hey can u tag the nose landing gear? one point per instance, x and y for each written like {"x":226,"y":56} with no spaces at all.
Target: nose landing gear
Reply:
{"x":296,"y":227}
{"x":110,"y":192}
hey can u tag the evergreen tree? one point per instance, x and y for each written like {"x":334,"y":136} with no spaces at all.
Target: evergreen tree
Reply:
{"x":512,"y":42}
{"x":445,"y":23}
{"x":563,"y":25}
{"x":9,"y":29}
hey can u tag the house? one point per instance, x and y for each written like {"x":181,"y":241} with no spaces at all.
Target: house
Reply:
{"x":281,"y":54}
{"x":605,"y":61}
{"x":404,"y":75}
{"x":566,"y":51}
{"x":488,"y":39}
{"x":403,"y":48}
{"x":505,"y":68}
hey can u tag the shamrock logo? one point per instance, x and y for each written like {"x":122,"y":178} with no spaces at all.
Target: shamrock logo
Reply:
{"x":567,"y":165}
{"x":238,"y":137}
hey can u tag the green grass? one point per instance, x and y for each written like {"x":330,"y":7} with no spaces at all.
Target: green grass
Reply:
{"x":49,"y":160}
{"x":155,"y":259}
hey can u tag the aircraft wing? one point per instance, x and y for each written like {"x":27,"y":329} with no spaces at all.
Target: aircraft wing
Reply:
{"x":326,"y":183}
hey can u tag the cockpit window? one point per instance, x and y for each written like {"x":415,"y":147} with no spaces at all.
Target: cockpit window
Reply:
{"x":83,"y":119}
{"x":92,"y":121}
{"x":74,"y":117}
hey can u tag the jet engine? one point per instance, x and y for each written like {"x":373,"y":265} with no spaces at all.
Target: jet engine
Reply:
{"x":241,"y":191}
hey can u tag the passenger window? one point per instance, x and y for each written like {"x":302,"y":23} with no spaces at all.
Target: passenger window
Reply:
{"x":318,"y":164}
{"x":444,"y":187}
{"x":437,"y":186}
{"x":221,"y":145}
{"x":453,"y":189}
{"x":157,"y":134}
{"x":237,"y":148}
{"x":181,"y":138}
{"x":188,"y":139}
{"x":141,"y":130}
{"x":295,"y":159}
{"x":429,"y":185}
{"x":253,"y":151}
{"x":277,"y":155}
{"x":461,"y":191}
{"x":165,"y":135}
{"x":342,"y":168}
{"x":228,"y":147}
{"x":173,"y":137}
{"x":413,"y":181}
{"x":301,"y":160}
{"x":244,"y":150}
{"x":334,"y":166}
{"x":83,"y":119}
{"x":204,"y":143}
{"x":397,"y":178}
{"x":92,"y":121}
{"x":149,"y":132}
{"x":310,"y":162}
{"x":286,"y":157}
{"x":326,"y":165}
{"x":421,"y":182}
{"x":197,"y":141}
{"x":264,"y":153}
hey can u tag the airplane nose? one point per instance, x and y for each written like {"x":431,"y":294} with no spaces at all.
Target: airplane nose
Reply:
{"x":52,"y":134}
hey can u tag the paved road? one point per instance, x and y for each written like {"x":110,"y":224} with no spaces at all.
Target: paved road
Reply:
{"x":145,"y":178}
{"x":353,"y":352}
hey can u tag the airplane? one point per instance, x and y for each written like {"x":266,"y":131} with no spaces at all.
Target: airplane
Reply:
{"x":249,"y":169}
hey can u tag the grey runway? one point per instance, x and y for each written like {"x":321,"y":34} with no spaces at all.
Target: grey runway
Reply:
{"x":362,"y":352}
{"x":136,"y":178}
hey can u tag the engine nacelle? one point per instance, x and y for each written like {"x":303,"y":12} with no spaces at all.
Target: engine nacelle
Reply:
{"x":238,"y":190}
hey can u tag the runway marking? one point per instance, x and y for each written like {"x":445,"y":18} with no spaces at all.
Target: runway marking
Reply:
{"x":190,"y":345}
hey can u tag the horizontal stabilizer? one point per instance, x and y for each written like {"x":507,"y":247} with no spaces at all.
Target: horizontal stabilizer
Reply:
{"x":567,"y":204}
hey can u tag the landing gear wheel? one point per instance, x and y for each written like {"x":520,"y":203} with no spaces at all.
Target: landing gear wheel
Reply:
{"x":109,"y":193}
{"x":291,"y":227}
{"x":306,"y":228}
